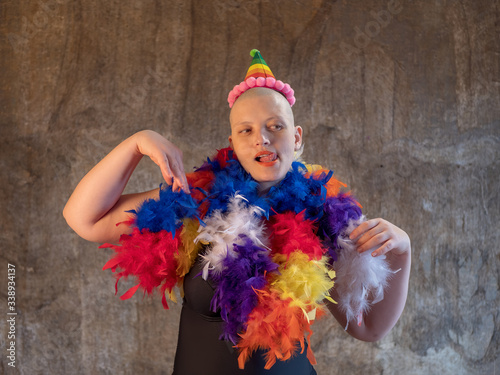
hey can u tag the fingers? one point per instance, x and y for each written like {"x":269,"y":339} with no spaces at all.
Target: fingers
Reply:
{"x":366,"y":230}
{"x":372,"y":234}
{"x":173,"y":173}
{"x":180,"y":180}
{"x":167,"y":156}
{"x":380,"y":235}
{"x":166,"y":172}
{"x":384,"y":249}
{"x":363,"y":227}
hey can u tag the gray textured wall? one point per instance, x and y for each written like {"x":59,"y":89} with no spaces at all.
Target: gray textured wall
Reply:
{"x":405,"y":108}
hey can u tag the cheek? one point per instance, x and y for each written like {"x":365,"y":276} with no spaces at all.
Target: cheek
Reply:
{"x":288,"y":145}
{"x":239,"y":149}
{"x":241,"y":143}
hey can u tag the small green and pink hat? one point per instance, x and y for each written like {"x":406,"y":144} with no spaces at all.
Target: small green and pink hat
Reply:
{"x":260,"y":75}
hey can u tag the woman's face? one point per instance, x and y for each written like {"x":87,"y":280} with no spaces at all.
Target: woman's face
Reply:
{"x":263,"y":135}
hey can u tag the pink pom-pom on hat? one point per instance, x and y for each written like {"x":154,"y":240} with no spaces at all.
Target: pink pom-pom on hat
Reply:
{"x":260,"y":75}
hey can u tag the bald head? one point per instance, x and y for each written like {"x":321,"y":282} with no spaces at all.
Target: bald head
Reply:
{"x":274,"y":96}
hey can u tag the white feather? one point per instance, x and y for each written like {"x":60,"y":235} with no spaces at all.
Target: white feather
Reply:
{"x":224,"y":230}
{"x":361,"y":278}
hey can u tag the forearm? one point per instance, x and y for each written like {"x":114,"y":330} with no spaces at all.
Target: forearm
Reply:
{"x":377,"y":237}
{"x":384,"y":315}
{"x":100,"y":191}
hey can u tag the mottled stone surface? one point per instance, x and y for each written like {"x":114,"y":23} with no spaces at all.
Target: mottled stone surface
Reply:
{"x":401,"y":98}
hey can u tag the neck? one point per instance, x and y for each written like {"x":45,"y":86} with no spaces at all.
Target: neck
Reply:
{"x":264,"y":187}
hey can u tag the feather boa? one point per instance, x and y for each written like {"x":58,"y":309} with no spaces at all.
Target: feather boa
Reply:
{"x":273,"y":258}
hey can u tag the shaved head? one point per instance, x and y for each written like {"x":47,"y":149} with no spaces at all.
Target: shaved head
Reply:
{"x":264,"y":91}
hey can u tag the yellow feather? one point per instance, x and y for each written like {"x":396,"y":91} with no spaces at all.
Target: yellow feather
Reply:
{"x":188,"y":251}
{"x":311,"y":315}
{"x":311,"y":168}
{"x":172,"y":296}
{"x":306,"y":282}
{"x":181,"y":288}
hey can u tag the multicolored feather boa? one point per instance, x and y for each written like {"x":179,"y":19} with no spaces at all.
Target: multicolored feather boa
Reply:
{"x":273,"y":258}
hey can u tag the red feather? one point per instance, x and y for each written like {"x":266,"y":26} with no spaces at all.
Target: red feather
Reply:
{"x":129,"y":293}
{"x":223,"y":156}
{"x":148,"y":256}
{"x":292,"y":232}
{"x":201,"y":180}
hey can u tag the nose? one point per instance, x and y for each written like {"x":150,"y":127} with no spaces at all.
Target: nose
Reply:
{"x":261,"y":138}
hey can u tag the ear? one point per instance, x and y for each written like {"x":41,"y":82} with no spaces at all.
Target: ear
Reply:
{"x":230,"y":139}
{"x":298,"y":138}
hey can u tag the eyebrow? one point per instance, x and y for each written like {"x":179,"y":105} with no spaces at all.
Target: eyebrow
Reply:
{"x":279,"y":118}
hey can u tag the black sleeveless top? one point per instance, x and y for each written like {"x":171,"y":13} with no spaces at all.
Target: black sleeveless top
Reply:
{"x":201,"y":352}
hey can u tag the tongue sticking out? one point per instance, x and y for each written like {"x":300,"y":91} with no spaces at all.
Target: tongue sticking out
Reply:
{"x":266,"y":158}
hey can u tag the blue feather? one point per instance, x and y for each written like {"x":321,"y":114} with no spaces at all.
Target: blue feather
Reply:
{"x":167,"y":212}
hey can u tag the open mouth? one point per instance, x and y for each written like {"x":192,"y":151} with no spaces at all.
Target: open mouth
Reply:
{"x":266,"y":157}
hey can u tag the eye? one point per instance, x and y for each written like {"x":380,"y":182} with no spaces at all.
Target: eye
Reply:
{"x":276,"y":127}
{"x":244,"y":131}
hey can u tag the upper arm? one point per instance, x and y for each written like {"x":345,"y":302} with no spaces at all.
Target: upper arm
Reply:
{"x":108,"y":228}
{"x":361,"y":332}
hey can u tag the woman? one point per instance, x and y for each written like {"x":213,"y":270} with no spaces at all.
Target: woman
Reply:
{"x":264,"y":142}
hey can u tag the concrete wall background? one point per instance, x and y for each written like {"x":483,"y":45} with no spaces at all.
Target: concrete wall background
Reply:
{"x":408,"y":115}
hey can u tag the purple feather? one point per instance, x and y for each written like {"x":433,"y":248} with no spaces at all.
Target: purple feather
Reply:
{"x":234,"y":295}
{"x":338,"y":211}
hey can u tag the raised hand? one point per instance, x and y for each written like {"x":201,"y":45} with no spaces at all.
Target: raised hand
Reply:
{"x":382,"y":235}
{"x":166,"y":155}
